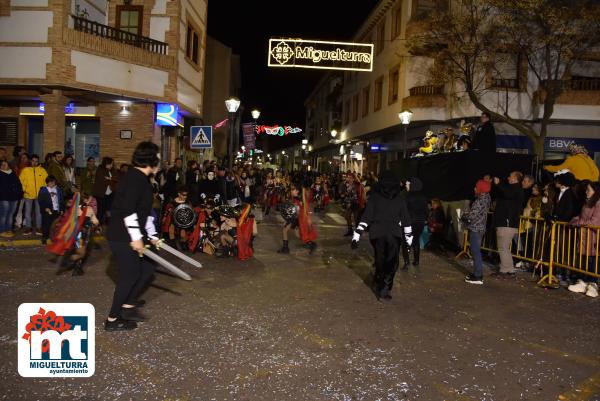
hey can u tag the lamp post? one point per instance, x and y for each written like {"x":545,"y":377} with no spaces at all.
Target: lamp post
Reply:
{"x":405,"y":117}
{"x":232,"y":105}
{"x":255,"y":114}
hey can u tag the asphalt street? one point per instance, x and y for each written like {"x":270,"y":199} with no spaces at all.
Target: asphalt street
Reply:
{"x":307,"y":327}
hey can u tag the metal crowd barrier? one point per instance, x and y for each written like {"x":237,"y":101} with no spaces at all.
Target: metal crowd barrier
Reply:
{"x":548,"y":245}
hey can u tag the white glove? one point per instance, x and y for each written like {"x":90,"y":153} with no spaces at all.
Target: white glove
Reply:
{"x":355,"y":237}
{"x":408,"y":235}
{"x":203,"y":195}
{"x":217,"y":196}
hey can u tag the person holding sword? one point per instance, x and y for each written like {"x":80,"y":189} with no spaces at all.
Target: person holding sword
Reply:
{"x":130,"y":224}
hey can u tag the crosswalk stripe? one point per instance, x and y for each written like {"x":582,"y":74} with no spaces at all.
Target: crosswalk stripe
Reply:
{"x":337,"y":218}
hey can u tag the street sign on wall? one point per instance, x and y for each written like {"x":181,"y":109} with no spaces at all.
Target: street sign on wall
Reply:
{"x":201,"y":137}
{"x":320,"y":54}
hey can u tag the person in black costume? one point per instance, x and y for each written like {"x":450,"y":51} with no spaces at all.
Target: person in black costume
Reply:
{"x":388,"y":221}
{"x":485,"y":135}
{"x":416,"y":202}
{"x":209,"y":187}
{"x":130,"y":224}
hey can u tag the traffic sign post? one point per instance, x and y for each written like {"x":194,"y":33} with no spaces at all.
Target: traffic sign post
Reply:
{"x":201,"y":137}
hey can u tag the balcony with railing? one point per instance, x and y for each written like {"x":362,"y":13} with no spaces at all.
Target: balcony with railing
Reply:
{"x":576,"y":91}
{"x":426,"y":90}
{"x":505,"y":83}
{"x":425,"y":96}
{"x":108,"y":32}
{"x":85,"y":34}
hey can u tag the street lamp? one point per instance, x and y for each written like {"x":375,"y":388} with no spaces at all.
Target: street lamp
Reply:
{"x":405,"y":117}
{"x":232,"y":105}
{"x":255,"y":114}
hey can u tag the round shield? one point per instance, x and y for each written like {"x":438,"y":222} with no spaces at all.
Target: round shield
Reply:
{"x":289,"y":211}
{"x":184,"y":216}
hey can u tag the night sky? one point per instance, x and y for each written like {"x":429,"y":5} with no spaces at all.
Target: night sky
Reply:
{"x":246,"y":26}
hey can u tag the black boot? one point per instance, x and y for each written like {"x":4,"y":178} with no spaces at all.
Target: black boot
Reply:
{"x":349,"y":232}
{"x":406,"y":263}
{"x":284,"y":248}
{"x":78,"y":268}
{"x":311,"y":247}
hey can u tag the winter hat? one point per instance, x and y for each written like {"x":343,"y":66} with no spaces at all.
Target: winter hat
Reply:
{"x":483,"y":187}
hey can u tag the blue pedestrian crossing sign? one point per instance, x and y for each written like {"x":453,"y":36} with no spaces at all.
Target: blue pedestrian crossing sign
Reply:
{"x":201,"y":137}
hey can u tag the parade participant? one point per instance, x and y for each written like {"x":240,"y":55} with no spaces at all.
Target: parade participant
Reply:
{"x":388,"y":221}
{"x":318,"y":194}
{"x":416,"y":202}
{"x":204,"y":224}
{"x":128,"y":226}
{"x":177,"y":236}
{"x":354,"y":201}
{"x":209,"y":186}
{"x":297,"y":217}
{"x":246,"y":230}
{"x":73,"y":233}
{"x":228,"y":231}
{"x":475,"y":220}
{"x":485,"y":135}
{"x":269,"y":198}
{"x":579,"y":163}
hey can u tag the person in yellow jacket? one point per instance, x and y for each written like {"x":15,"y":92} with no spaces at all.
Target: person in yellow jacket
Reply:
{"x":32,"y":179}
{"x":579,"y":163}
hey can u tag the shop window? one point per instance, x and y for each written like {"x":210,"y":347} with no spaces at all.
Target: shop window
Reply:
{"x":355,"y":107}
{"x":393,"y":85}
{"x":365,"y":101}
{"x":192,"y":44}
{"x":378,"y":95}
{"x":82,"y":140}
{"x":129,"y":19}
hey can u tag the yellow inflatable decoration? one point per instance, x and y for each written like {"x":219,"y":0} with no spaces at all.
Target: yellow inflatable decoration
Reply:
{"x":429,"y":142}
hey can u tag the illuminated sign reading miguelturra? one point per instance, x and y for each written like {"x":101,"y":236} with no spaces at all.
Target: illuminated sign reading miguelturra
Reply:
{"x":320,"y":54}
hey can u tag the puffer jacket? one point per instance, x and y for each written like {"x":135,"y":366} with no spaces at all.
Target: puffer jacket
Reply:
{"x":476,"y":217}
{"x":32,"y":179}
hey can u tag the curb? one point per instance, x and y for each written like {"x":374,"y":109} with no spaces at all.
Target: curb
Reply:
{"x":24,"y":243}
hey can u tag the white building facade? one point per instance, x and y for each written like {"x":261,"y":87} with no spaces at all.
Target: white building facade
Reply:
{"x":93,"y":77}
{"x":371,"y":136}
